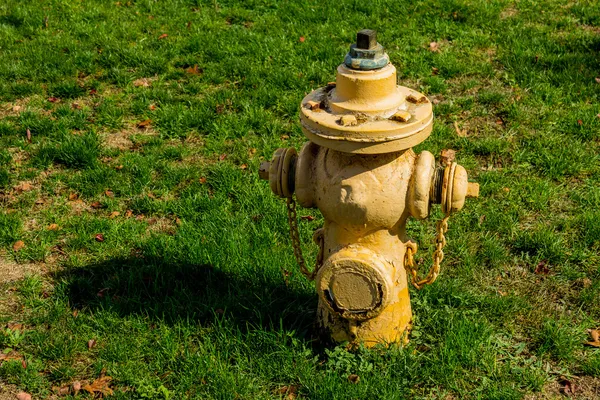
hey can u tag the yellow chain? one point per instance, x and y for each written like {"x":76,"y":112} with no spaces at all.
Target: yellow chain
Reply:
{"x":438,"y":256}
{"x":295,"y":236}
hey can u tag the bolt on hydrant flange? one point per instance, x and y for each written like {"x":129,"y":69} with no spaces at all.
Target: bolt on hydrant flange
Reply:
{"x":360,"y":171}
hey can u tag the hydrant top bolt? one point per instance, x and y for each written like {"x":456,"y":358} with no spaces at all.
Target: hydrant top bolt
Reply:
{"x":366,"y":39}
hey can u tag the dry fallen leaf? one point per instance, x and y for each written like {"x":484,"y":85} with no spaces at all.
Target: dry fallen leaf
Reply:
{"x":542,"y":268}
{"x":301,"y":39}
{"x":222,"y":157}
{"x":243,"y":166}
{"x":307,"y":218}
{"x":73,"y":196}
{"x":459,"y":132}
{"x":595,"y":335}
{"x":353,"y":378}
{"x":142,"y":82}
{"x":194,"y":70}
{"x":28,"y":136}
{"x":76,"y":387}
{"x":16,"y":108}
{"x":164,"y":35}
{"x":128,"y":213}
{"x":597,"y":79}
{"x":62,"y":391}
{"x":96,"y":204}
{"x":14,"y":326}
{"x":114,"y":214}
{"x":144,"y":124}
{"x":434,"y":47}
{"x":202,"y":180}
{"x":53,"y":99}
{"x":91,"y":343}
{"x":434,"y":71}
{"x":152,"y":107}
{"x":23,"y":187}
{"x":23,"y":396}
{"x":284,"y":137}
{"x":290,"y":392}
{"x":99,"y":237}
{"x":100,"y":385}
{"x":53,"y":227}
{"x":18,"y":245}
{"x":568,"y":388}
{"x":109,"y":193}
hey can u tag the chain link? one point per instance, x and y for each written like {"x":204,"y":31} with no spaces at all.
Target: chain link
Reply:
{"x":296,"y":244}
{"x":438,"y":256}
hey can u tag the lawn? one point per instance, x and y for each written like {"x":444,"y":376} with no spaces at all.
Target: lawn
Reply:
{"x":138,"y":242}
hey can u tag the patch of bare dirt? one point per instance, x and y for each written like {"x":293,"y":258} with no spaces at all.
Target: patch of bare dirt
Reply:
{"x":584,"y":388}
{"x":117,"y":140}
{"x":509,"y":12}
{"x":8,"y":392}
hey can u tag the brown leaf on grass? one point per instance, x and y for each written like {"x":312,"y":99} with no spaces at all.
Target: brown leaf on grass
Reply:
{"x":62,"y":390}
{"x":434,"y":71}
{"x":53,"y":99}
{"x":18,"y":245}
{"x":284,"y":137}
{"x":568,"y":387}
{"x":595,"y":335}
{"x":290,"y":391}
{"x":222,"y":157}
{"x":11,"y":356}
{"x":353,"y":378}
{"x":75,"y":313}
{"x":96,"y":205}
{"x":243,"y":166}
{"x":23,"y":396}
{"x":542,"y":268}
{"x":114,"y":214}
{"x":459,"y":132}
{"x":76,"y":106}
{"x":307,"y":218}
{"x":99,"y":237}
{"x":188,"y":26}
{"x":597,"y":79}
{"x":73,"y":196}
{"x":53,"y":227}
{"x":109,"y":193}
{"x":142,"y":82}
{"x":152,"y":107}
{"x":23,"y":187}
{"x":144,"y":124}
{"x":194,"y":70}
{"x":100,"y":386}
{"x":39,"y":201}
{"x":101,"y":292}
{"x":164,"y":35}
{"x":76,"y":387}
{"x":14,"y":326}
{"x":301,"y":39}
{"x":128,"y":214}
{"x":447,"y":156}
{"x":434,"y":47}
{"x":202,"y":180}
{"x":91,"y":344}
{"x":16,"y":108}
{"x":28,"y":135}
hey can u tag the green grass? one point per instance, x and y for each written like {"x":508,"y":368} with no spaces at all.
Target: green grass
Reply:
{"x":188,"y":295}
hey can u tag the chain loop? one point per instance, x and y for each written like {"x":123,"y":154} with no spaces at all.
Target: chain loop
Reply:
{"x":318,"y":237}
{"x":438,"y":256}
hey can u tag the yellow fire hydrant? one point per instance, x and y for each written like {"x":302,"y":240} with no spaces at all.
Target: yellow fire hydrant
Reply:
{"x":360,"y":171}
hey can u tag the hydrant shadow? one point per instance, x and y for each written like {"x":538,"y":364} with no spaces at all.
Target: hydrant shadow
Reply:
{"x":169,"y":292}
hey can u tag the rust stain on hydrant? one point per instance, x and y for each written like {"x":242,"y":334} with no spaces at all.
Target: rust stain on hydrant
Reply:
{"x":360,"y":171}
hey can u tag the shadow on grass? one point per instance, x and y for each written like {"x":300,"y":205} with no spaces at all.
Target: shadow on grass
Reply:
{"x":170,"y":293}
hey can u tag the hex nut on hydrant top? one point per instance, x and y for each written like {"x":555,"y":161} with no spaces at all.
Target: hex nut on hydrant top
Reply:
{"x":360,"y":171}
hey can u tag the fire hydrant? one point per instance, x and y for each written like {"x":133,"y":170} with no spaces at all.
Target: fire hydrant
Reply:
{"x":360,"y":171}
